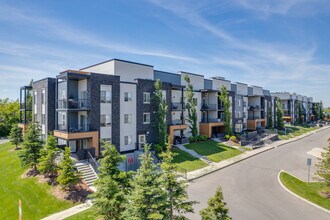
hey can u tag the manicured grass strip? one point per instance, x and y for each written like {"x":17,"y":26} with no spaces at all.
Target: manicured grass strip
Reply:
{"x":37,"y":201}
{"x":294,"y":131}
{"x":310,"y":191}
{"x":213,"y":150}
{"x":187,"y":162}
{"x":85,"y":215}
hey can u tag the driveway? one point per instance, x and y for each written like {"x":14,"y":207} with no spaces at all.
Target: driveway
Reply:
{"x":251,"y":189}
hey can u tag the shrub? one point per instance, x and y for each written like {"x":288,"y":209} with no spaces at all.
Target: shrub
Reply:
{"x":202,"y":137}
{"x":227,"y":136}
{"x":233,"y":138}
{"x":192,"y":139}
{"x":158,"y":149}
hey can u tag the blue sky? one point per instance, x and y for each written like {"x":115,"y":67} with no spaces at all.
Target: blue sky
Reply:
{"x":282,"y":45}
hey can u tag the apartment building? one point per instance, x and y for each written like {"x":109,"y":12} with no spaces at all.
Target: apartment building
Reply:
{"x":112,"y":101}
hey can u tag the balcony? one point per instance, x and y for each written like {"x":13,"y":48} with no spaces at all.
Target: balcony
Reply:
{"x":74,"y":128}
{"x":26,"y":106}
{"x":178,"y":106}
{"x":177,"y":122}
{"x":75,"y":104}
{"x":254,"y":108}
{"x":209,"y":107}
{"x":211,"y":120}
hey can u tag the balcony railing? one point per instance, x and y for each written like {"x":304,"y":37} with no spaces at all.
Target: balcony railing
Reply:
{"x":179,"y":106}
{"x":177,"y":122}
{"x":211,"y":120}
{"x":209,"y":106}
{"x":254,"y":108}
{"x":73,"y":128}
{"x":22,"y":106}
{"x":73,"y":104}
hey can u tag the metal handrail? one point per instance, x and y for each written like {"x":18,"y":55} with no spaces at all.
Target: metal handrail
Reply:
{"x":73,"y":104}
{"x":94,"y":163}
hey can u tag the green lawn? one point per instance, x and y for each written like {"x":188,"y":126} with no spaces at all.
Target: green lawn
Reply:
{"x":85,"y":215}
{"x":310,"y":191}
{"x":187,"y":162}
{"x":213,"y":150}
{"x":37,"y":202}
{"x":294,"y":131}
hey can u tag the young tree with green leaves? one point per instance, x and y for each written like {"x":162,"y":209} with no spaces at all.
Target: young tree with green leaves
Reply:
{"x":191,"y":108}
{"x":48,"y":154}
{"x":161,"y":109}
{"x":69,"y":176}
{"x":112,"y":185}
{"x":15,"y":136}
{"x":279,"y":114}
{"x":224,"y":97}
{"x":31,"y":147}
{"x":323,"y":167}
{"x":216,"y":209}
{"x":300,"y":115}
{"x":270,"y":118}
{"x":9,"y":116}
{"x":316,"y":111}
{"x":321,"y":110}
{"x":147,"y":199}
{"x":177,"y":202}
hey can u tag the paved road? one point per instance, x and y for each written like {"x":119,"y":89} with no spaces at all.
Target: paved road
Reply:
{"x":251,"y":189}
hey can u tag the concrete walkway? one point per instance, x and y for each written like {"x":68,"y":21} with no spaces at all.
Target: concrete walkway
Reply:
{"x":225,"y":163}
{"x":194,"y":154}
{"x":2,"y":141}
{"x":69,"y":212}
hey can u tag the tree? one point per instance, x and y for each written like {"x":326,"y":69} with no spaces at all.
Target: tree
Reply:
{"x":147,"y":199}
{"x":279,"y":113}
{"x":216,"y":209}
{"x":15,"y":136}
{"x":321,"y":110}
{"x":68,"y":175}
{"x":31,"y":147}
{"x":9,"y":116}
{"x":47,"y":160}
{"x":323,"y":167}
{"x":316,"y":111}
{"x":191,"y":108}
{"x":300,"y":115}
{"x":161,"y":109}
{"x":270,"y":118}
{"x":176,"y":189}
{"x":223,"y":95}
{"x":112,"y":185}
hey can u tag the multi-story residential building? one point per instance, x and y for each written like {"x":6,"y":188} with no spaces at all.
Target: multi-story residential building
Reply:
{"x":112,"y":101}
{"x":256,"y":108}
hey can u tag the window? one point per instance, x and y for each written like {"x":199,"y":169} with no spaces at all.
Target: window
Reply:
{"x":238,"y":114}
{"x":105,"y":120}
{"x":105,"y":97}
{"x":127,"y":140}
{"x":127,"y":96}
{"x":127,"y":118}
{"x":195,"y":101}
{"x":43,"y":97}
{"x":43,"y":119}
{"x":239,"y":102}
{"x":146,"y":97}
{"x":146,"y":118}
{"x":238,"y":128}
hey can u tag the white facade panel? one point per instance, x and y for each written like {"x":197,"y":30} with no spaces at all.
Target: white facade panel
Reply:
{"x":218,"y":83}
{"x":127,"y":107}
{"x":242,"y":89}
{"x":257,"y":91}
{"x":196,"y":80}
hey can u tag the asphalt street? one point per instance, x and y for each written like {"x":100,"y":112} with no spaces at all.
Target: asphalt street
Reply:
{"x":251,"y":189}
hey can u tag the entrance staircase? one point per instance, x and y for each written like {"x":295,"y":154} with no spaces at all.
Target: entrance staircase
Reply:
{"x":87,"y":172}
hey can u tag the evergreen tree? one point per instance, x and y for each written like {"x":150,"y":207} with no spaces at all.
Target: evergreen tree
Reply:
{"x":191,"y":108}
{"x":323,"y":167}
{"x":216,"y":209}
{"x":147,"y":199}
{"x":47,"y":163}
{"x":316,"y":111}
{"x":176,"y":189}
{"x":112,"y":185}
{"x":15,"y":136}
{"x":279,"y":112}
{"x":69,"y":176}
{"x":161,"y":109}
{"x":270,"y":118}
{"x":31,"y":147}
{"x":300,"y":115}
{"x":223,"y":95}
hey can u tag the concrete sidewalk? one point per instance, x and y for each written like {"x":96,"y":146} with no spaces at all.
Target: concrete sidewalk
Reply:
{"x":225,"y":163}
{"x":69,"y":212}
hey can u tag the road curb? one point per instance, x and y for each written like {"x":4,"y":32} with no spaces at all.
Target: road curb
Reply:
{"x":234,"y":162}
{"x":297,"y":196}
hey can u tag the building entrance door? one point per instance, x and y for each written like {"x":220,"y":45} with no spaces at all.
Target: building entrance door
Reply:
{"x":142,"y":141}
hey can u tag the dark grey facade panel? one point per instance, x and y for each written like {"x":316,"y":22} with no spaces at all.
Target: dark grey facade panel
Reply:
{"x":173,"y":78}
{"x":208,"y":84}
{"x":233,"y":87}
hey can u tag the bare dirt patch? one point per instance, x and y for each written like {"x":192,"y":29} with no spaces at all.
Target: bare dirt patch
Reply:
{"x":29,"y":173}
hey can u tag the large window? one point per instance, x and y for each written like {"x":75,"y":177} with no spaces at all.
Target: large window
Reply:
{"x":146,"y":97}
{"x":43,"y":97}
{"x":146,"y":118}
{"x":105,"y":120}
{"x":127,"y":96}
{"x":105,"y":97}
{"x":127,"y":140}
{"x":127,"y":118}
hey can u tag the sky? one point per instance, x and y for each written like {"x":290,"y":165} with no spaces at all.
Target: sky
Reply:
{"x":282,"y":45}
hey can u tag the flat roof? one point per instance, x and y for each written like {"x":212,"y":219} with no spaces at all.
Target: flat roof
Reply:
{"x":191,"y":73}
{"x":115,"y":59}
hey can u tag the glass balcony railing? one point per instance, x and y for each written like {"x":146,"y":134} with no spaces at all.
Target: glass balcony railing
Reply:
{"x":74,"y":128}
{"x":211,"y":120}
{"x":177,"y":106}
{"x":177,"y":122}
{"x":209,"y":106}
{"x":73,"y":104}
